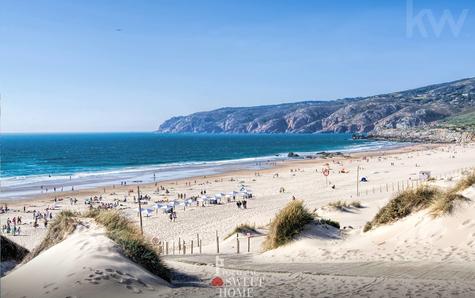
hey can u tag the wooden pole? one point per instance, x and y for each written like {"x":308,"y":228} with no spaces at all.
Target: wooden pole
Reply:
{"x":184,"y":247}
{"x":179,"y":244}
{"x":140,"y":209}
{"x":166,"y":247}
{"x":248,"y":243}
{"x":197,"y":239}
{"x":200,"y":246}
{"x":217,"y":242}
{"x":191,"y":246}
{"x":237,"y":239}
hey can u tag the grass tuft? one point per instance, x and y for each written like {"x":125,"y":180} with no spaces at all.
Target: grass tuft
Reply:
{"x":403,"y":204}
{"x":62,"y":226}
{"x":342,"y":205}
{"x":288,"y":223}
{"x":128,"y":237}
{"x":445,"y":203}
{"x":242,"y":229}
{"x":356,"y":204}
{"x":329,"y":222}
{"x":339,"y":205}
{"x":464,"y":183}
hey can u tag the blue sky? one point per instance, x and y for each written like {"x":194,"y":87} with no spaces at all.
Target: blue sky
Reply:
{"x":129,"y":65}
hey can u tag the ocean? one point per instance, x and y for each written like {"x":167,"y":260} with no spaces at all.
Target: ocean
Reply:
{"x":84,"y":160}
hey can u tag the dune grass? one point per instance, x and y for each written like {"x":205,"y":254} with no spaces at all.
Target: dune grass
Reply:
{"x":445,"y":203}
{"x":412,"y":200}
{"x":327,"y":221}
{"x":467,"y":181}
{"x":403,"y":204}
{"x":242,"y":229}
{"x":342,"y":205}
{"x":339,"y":205}
{"x":11,"y":251}
{"x":135,"y":247}
{"x":288,"y":223}
{"x":63,"y":225}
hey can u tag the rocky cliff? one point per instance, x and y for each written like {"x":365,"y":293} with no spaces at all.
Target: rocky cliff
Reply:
{"x":399,"y":110}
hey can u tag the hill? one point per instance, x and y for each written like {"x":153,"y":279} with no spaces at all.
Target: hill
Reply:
{"x":399,"y":110}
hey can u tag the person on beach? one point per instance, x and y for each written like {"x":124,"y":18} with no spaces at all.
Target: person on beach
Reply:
{"x":171,"y":215}
{"x":244,"y":204}
{"x":174,"y":216}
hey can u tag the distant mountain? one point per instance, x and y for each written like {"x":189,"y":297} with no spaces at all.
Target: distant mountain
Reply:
{"x":399,"y":110}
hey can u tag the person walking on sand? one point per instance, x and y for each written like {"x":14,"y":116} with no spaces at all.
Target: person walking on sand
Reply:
{"x":171,"y":215}
{"x":174,"y":216}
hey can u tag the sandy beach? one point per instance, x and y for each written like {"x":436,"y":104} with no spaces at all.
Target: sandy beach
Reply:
{"x":417,"y":240}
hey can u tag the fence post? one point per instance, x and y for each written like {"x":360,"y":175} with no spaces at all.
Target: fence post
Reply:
{"x":217,"y":242}
{"x":184,"y":247}
{"x":166,"y":247}
{"x":237,"y":239}
{"x":179,"y":244}
{"x":200,"y":246}
{"x":248,"y":243}
{"x":191,"y":246}
{"x":197,"y":239}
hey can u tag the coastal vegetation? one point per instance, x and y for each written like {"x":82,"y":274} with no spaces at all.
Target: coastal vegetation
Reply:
{"x":465,"y":121}
{"x":330,"y":222}
{"x":62,"y":226}
{"x":402,"y":205}
{"x":243,"y":229}
{"x":121,"y":230}
{"x":412,"y":200}
{"x":343,"y":205}
{"x":288,"y":223}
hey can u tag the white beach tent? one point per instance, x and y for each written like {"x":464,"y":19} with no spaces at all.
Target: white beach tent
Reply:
{"x":203,"y":198}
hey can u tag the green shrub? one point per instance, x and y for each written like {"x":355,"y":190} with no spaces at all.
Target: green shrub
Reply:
{"x":288,"y":223}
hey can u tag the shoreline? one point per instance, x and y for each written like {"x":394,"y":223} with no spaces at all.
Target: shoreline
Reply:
{"x":276,"y":165}
{"x":150,"y":174}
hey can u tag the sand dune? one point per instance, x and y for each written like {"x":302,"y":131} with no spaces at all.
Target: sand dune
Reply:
{"x":418,"y":237}
{"x":86,"y":264}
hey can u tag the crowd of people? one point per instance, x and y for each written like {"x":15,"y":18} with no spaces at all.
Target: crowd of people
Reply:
{"x":12,"y":226}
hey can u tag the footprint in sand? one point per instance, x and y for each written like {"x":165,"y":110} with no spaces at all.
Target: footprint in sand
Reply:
{"x":466,"y":222}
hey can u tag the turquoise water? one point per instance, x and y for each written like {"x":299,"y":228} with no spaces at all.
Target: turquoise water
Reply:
{"x":30,"y":160}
